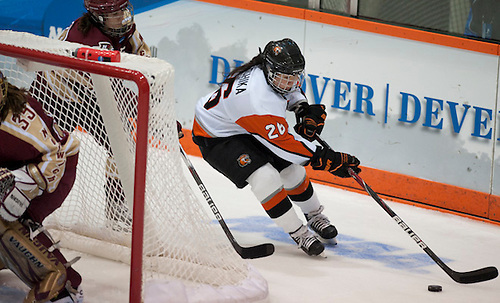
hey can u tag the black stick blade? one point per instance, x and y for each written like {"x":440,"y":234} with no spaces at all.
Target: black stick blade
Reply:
{"x":254,"y":252}
{"x":475,"y":276}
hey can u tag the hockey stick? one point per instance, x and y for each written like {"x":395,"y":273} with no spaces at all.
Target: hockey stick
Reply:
{"x":478,"y":275}
{"x":253,"y":252}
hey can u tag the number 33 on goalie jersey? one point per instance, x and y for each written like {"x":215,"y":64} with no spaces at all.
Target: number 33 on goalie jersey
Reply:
{"x":33,"y":137}
{"x":248,"y":105}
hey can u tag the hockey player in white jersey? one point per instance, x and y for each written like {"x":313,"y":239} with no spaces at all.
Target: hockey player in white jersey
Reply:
{"x":242,"y":132}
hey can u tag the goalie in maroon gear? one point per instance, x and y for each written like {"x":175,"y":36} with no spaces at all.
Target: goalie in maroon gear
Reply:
{"x":107,"y":24}
{"x":37,"y":170}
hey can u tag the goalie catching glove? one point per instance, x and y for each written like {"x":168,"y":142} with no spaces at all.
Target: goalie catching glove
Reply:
{"x":334,"y":162}
{"x":17,"y":188}
{"x":310,"y":120}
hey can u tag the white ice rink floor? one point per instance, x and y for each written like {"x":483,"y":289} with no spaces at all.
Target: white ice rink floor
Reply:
{"x":374,"y":261}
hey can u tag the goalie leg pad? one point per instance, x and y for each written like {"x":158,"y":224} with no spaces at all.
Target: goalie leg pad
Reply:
{"x":33,"y":258}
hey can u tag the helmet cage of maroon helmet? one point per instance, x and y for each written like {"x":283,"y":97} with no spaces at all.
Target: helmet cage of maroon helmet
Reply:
{"x":103,"y":10}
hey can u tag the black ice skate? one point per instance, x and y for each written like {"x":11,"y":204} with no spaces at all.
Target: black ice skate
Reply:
{"x":307,"y":241}
{"x":320,"y":224}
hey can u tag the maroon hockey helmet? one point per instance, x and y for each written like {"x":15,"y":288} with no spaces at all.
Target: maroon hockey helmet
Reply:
{"x":99,"y":7}
{"x":106,"y":13}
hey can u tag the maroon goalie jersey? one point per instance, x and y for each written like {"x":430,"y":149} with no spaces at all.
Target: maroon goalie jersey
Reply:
{"x":132,"y":42}
{"x":33,"y":137}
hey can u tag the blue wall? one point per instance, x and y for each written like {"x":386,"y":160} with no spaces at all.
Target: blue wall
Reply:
{"x":38,"y":16}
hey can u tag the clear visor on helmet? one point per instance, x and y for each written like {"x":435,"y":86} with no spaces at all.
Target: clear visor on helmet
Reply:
{"x":285,"y":83}
{"x":117,"y":23}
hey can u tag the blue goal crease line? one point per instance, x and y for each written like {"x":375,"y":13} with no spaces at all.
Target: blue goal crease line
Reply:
{"x":349,"y":246}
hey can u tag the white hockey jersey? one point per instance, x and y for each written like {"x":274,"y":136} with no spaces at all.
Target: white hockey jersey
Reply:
{"x":248,"y":105}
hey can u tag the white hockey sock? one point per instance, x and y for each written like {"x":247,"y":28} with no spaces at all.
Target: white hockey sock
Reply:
{"x":294,"y":177}
{"x":266,"y":184}
{"x":309,"y":205}
{"x":289,"y":221}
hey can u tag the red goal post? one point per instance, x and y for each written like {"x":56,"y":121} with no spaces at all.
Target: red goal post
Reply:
{"x":206,"y":261}
{"x":142,"y":138}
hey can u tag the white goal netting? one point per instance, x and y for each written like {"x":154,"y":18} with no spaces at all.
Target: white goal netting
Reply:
{"x":182,"y":244}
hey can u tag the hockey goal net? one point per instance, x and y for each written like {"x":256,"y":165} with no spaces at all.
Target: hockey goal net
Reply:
{"x":129,"y":167}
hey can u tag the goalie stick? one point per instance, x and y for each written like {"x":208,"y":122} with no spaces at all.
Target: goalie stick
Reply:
{"x":474,"y":276}
{"x":252,"y":252}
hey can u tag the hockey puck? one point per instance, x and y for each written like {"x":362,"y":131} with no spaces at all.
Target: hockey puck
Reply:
{"x":434,"y":288}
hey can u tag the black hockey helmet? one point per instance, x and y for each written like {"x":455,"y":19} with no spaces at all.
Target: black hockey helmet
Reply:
{"x":282,"y":57}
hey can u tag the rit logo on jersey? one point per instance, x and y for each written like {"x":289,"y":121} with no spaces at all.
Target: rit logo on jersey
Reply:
{"x":244,"y":160}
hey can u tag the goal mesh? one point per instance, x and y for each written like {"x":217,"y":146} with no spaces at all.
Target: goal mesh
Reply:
{"x":181,"y":241}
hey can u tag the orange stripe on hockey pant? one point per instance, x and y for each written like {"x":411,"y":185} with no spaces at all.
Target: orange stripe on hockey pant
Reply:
{"x":299,"y":189}
{"x":275,"y":200}
{"x":188,"y":145}
{"x":199,"y":131}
